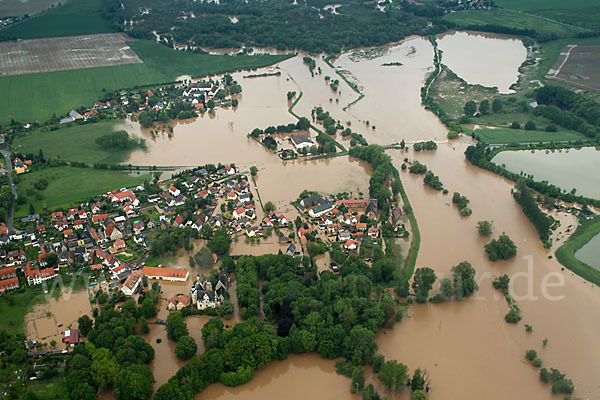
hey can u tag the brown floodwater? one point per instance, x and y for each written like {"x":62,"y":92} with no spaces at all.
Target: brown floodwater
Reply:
{"x":483,"y":58}
{"x":467,"y":348}
{"x":471,"y":336}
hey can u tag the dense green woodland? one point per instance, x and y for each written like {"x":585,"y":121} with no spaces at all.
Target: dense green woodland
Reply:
{"x":282,"y":24}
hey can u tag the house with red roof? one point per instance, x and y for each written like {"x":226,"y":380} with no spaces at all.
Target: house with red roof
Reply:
{"x":173,"y":191}
{"x":35,"y":276}
{"x":9,"y":284}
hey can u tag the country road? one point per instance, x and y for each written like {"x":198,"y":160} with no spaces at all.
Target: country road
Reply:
{"x":10,"y":213}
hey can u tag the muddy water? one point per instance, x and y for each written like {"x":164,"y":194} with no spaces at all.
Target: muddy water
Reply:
{"x":590,"y":253}
{"x":471,"y":336}
{"x":49,"y":320}
{"x":296,"y":378}
{"x":482,"y":58}
{"x":567,"y":169}
{"x":392,"y":101}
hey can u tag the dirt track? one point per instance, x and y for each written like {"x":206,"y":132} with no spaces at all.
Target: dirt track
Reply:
{"x":64,"y":53}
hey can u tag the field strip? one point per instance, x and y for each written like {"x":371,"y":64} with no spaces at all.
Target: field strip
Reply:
{"x":549,"y":20}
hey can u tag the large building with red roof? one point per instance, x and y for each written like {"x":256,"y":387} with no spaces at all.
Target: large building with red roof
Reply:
{"x":167,"y":274}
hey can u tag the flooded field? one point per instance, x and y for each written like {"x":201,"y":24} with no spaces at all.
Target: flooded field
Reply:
{"x":567,"y":169}
{"x":48,"y":321}
{"x":482,"y":58}
{"x":590,"y":253}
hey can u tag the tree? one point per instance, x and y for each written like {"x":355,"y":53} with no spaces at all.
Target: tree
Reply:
{"x":417,"y":383}
{"x":377,"y":362}
{"x":359,"y":345}
{"x":269,"y":206}
{"x":170,"y":391}
{"x":515,"y":125}
{"x":18,"y":356}
{"x":393,"y":375}
{"x":470,"y":108}
{"x":186,"y":348}
{"x":503,"y":248}
{"x":85,"y":325}
{"x":51,"y":260}
{"x":531,"y":355}
{"x":210,"y":104}
{"x":418,"y":395}
{"x":220,"y":243}
{"x":423,"y":282}
{"x":484,"y":107}
{"x":497,"y":105}
{"x":134,"y":382}
{"x":176,"y":326}
{"x":253,"y":170}
{"x":530,"y":126}
{"x":148,"y":308}
{"x":464,"y":280}
{"x":104,"y":368}
{"x":484,"y":228}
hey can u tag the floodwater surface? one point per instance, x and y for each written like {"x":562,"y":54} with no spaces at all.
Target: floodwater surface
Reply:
{"x":482,"y":58}
{"x":568,"y":169}
{"x":590,"y":252}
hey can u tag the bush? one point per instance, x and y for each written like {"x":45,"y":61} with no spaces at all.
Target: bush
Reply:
{"x":531,"y":355}
{"x":465,"y":211}
{"x":501,"y":282}
{"x":417,"y":168}
{"x":563,"y":386}
{"x":512,"y":317}
{"x":544,"y":375}
{"x":515,"y":125}
{"x":551,"y":128}
{"x":503,"y":248}
{"x":530,"y":126}
{"x":484,"y":228}
{"x":537,"y":362}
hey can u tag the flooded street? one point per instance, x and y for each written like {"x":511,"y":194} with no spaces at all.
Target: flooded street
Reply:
{"x":483,"y":58}
{"x":568,"y":169}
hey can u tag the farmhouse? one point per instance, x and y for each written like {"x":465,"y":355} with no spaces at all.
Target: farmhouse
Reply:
{"x":321,"y":209}
{"x":302,"y":141}
{"x":178,"y":302}
{"x":167,"y":274}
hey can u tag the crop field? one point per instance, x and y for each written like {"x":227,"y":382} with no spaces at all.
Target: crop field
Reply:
{"x":585,"y":17}
{"x":511,"y":19}
{"x":32,"y":97}
{"x":17,"y":8}
{"x":67,"y":186}
{"x":508,"y":136}
{"x":578,"y":66}
{"x":81,"y":141}
{"x":64,"y":53}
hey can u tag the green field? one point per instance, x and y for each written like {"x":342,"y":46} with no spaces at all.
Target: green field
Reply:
{"x":68,"y":186}
{"x":566,"y":253}
{"x":34,"y":97}
{"x":585,"y":17}
{"x":15,"y":306}
{"x":530,"y":5}
{"x":47,"y":389}
{"x":75,"y":143}
{"x":507,"y":136}
{"x":511,"y":19}
{"x":80,"y":17}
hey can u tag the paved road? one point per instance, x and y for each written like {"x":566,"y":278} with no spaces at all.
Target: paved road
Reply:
{"x":9,"y":169}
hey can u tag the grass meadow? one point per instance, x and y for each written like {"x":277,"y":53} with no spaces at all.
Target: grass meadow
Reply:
{"x":68,"y":186}
{"x":75,"y":143}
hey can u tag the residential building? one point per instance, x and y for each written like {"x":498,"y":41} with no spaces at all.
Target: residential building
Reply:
{"x":167,"y":274}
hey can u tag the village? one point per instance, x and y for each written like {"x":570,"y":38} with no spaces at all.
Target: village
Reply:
{"x":183,"y":99}
{"x":116,"y":240}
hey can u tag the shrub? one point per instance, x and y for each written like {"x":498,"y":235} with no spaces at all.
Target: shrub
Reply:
{"x":515,"y":125}
{"x":512,"y":317}
{"x":537,"y":362}
{"x":531,"y":355}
